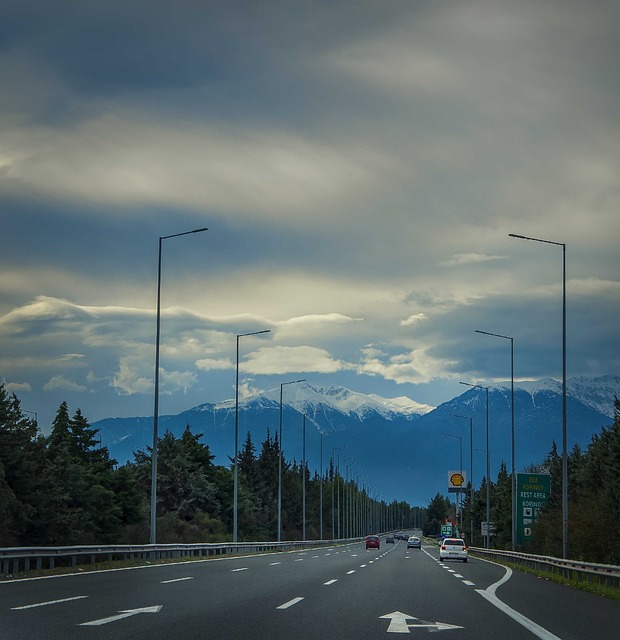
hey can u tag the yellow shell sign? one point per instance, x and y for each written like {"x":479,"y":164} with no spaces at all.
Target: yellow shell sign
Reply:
{"x":456,"y":481}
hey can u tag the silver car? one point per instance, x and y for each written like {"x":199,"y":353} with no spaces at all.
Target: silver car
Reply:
{"x":453,"y":549}
{"x":414,"y":543}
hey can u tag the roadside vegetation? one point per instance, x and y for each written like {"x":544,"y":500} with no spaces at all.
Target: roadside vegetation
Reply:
{"x":64,"y":489}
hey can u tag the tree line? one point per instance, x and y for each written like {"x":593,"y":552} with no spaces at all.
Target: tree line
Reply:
{"x":593,"y":503}
{"x":65,"y":489}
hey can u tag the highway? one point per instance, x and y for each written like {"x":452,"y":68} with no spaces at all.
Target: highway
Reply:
{"x":329,"y":593}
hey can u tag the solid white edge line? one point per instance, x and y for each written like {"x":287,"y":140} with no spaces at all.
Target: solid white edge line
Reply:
{"x":530,"y":625}
{"x":489,"y":595}
{"x":290,"y":603}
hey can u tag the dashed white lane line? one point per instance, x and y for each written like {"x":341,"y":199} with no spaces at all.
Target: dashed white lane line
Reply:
{"x":330,"y":582}
{"x":350,"y":572}
{"x":299,"y":560}
{"x":242,"y":569}
{"x":44,"y":604}
{"x":273,"y":564}
{"x":458,"y":575}
{"x":290,"y":603}
{"x":469,"y":583}
{"x":177,"y":580}
{"x":362,"y":566}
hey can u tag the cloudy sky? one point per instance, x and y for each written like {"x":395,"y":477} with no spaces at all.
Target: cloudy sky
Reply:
{"x":359,"y":166}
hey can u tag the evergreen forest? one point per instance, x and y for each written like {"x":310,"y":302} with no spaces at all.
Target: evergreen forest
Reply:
{"x":64,"y":489}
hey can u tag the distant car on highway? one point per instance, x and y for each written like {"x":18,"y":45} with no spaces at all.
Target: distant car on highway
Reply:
{"x":373,"y":542}
{"x":414,"y":543}
{"x":390,"y":540}
{"x":453,"y":549}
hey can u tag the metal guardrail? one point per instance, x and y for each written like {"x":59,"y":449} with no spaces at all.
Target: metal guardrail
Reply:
{"x":605,"y":574}
{"x":14,"y":560}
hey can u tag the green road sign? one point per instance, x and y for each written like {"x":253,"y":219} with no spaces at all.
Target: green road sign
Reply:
{"x":533,"y":491}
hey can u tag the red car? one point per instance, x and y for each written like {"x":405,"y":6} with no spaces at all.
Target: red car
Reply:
{"x":373,"y":542}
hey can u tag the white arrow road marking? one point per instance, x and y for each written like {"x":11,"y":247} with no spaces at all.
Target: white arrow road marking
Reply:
{"x":44,"y":604}
{"x":122,"y":614}
{"x":290,"y":603}
{"x":176,"y":580}
{"x":399,"y":624}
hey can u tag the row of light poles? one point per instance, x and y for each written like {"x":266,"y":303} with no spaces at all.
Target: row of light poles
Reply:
{"x":512,"y":407}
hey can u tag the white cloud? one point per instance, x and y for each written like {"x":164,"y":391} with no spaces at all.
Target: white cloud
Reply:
{"x":127,"y":381}
{"x":281,"y":360}
{"x":127,"y":157}
{"x":413,"y":319}
{"x":461,"y":259}
{"x":16,"y":387}
{"x":415,"y":367}
{"x":209,"y":364}
{"x":60,"y":382}
{"x":246,"y":390}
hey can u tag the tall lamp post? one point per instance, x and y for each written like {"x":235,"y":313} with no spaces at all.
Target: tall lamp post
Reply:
{"x":153,"y":534}
{"x":488,"y":511}
{"x":460,"y":439}
{"x":303,"y":484}
{"x":512,"y":432}
{"x":471,"y":473}
{"x":564,"y":444}
{"x":280,"y":461}
{"x":236,"y":458}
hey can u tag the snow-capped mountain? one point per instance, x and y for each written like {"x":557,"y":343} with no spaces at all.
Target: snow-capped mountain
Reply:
{"x":597,"y":393}
{"x":396,"y":442}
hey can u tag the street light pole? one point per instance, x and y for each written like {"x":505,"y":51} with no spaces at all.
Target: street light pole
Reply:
{"x":488,"y":511}
{"x":236,"y":454}
{"x":460,"y":438}
{"x":513,"y":488}
{"x":153,"y":532}
{"x":280,"y":462}
{"x":471,"y":474}
{"x":564,"y":437}
{"x":303,"y":485}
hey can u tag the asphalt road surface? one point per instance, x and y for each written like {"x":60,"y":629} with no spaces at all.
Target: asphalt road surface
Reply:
{"x":338,"y":593}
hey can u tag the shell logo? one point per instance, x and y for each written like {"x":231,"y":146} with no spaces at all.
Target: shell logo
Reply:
{"x":457,"y":480}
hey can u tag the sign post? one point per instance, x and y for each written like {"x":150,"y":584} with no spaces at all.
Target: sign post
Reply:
{"x":533,"y":491}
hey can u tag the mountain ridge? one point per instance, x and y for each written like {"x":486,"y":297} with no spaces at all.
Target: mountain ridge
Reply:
{"x":397,"y":444}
